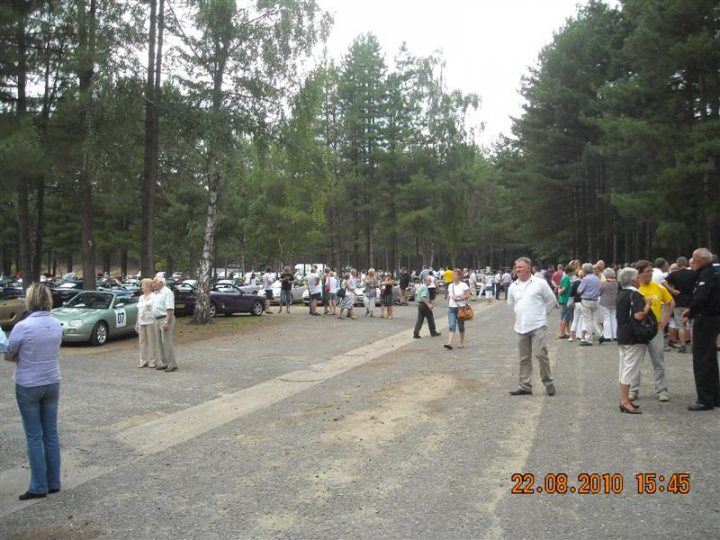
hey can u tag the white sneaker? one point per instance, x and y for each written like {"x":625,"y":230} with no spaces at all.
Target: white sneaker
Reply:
{"x":570,"y":339}
{"x":663,"y":396}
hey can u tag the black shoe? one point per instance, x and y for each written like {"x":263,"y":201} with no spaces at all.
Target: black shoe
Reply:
{"x":416,"y":336}
{"x":54,"y":490}
{"x":520,"y":392}
{"x":436,"y":334}
{"x":170,"y":369}
{"x":160,"y":368}
{"x":700,"y":407}
{"x":586,"y":344}
{"x":624,"y":409}
{"x":550,"y":388}
{"x":30,"y":495}
{"x":448,"y":347}
{"x":602,"y":340}
{"x":682,"y":349}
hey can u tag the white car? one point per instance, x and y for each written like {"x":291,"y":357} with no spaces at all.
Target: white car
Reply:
{"x":298,"y":292}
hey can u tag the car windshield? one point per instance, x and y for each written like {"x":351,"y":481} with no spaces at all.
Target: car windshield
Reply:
{"x":91,"y":300}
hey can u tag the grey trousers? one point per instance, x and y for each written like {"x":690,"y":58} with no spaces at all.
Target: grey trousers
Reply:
{"x":656,"y":350}
{"x":165,"y":344}
{"x":589,"y":312}
{"x":533,"y":346}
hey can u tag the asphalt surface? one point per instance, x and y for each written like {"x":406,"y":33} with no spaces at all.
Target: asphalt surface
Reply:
{"x":313,"y":427}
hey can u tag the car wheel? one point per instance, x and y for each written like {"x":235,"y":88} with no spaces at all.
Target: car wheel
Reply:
{"x":257,"y":308}
{"x":99,"y":334}
{"x":212,"y":311}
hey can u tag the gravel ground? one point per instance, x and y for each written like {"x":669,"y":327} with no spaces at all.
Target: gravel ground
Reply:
{"x":314,"y":427}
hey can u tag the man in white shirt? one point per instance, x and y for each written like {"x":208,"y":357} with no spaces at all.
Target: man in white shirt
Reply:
{"x":314,"y":289}
{"x":532,"y":299}
{"x":164,"y":312}
{"x":267,"y":281}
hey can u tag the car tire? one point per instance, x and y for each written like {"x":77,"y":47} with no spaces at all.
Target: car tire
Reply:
{"x":257,"y":309}
{"x":99,"y":334}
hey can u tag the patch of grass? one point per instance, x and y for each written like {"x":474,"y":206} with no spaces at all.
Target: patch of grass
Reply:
{"x":217,"y":327}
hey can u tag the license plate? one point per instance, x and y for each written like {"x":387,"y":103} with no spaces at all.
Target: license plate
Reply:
{"x":179,"y":306}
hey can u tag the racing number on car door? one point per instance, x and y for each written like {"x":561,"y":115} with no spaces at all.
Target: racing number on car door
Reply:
{"x":120,"y":318}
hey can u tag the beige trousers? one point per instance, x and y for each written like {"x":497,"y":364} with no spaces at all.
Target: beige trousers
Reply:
{"x":533,"y":346}
{"x":148,"y":346}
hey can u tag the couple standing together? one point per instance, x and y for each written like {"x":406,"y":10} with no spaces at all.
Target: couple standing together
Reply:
{"x":155,"y":325}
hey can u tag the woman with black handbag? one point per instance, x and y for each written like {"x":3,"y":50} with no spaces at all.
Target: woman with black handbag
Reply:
{"x":633,"y":309}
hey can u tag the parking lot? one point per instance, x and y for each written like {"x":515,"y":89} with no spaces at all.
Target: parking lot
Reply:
{"x":307,"y":427}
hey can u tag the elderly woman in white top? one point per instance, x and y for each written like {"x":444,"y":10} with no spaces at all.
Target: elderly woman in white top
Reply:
{"x":145,"y":325}
{"x":458,"y":295}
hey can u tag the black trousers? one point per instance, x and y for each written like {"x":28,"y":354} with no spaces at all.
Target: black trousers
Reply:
{"x":424,"y":312}
{"x":705,"y":361}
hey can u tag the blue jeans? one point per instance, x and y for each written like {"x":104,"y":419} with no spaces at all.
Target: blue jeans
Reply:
{"x":454,"y":321}
{"x":38,"y":408}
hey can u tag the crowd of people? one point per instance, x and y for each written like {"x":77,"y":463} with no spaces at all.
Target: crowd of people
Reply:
{"x":646,"y":308}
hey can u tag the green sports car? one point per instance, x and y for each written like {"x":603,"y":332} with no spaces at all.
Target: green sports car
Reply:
{"x":95,"y":316}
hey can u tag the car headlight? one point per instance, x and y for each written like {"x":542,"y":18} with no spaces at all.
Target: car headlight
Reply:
{"x":75,"y":323}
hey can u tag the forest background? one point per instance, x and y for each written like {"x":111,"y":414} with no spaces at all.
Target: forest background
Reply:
{"x":185,"y":134}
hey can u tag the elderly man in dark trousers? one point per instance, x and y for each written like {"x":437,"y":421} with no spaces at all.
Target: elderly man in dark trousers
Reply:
{"x":425,"y":309}
{"x":164,"y":311}
{"x":704,"y":311}
{"x":532,"y":299}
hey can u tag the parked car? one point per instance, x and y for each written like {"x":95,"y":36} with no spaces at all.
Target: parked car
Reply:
{"x":95,"y":316}
{"x":11,"y":310}
{"x":226,"y":299}
{"x":64,"y":291}
{"x":298,"y":291}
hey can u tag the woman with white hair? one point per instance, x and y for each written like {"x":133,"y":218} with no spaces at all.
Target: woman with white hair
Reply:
{"x":630,"y":304}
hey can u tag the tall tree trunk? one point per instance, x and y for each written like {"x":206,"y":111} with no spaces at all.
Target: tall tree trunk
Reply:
{"x":150,"y":168}
{"x":86,"y":74}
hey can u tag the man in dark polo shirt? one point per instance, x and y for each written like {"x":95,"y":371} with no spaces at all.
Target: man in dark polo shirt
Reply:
{"x":704,"y":311}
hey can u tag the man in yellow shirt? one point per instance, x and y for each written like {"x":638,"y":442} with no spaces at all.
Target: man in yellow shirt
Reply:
{"x":448,"y":279}
{"x":658,"y":296}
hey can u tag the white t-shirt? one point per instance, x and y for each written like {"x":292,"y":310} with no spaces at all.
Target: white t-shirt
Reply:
{"x":314,"y":285}
{"x":457,"y":290}
{"x":532,"y":300}
{"x":267,"y":281}
{"x":333,"y":282}
{"x":163,"y":300}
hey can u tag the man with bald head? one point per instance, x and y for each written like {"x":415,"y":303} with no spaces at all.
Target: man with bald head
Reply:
{"x":704,"y":311}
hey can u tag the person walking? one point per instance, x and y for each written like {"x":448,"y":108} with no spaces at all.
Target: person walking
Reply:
{"x":458,"y":295}
{"x":164,"y":311}
{"x":531,"y":299}
{"x":425,"y":309}
{"x":145,"y":325}
{"x":704,"y":311}
{"x":34,"y":345}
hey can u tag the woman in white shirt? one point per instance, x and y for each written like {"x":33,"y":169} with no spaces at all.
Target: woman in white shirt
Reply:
{"x":458,"y":295}
{"x":145,"y":325}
